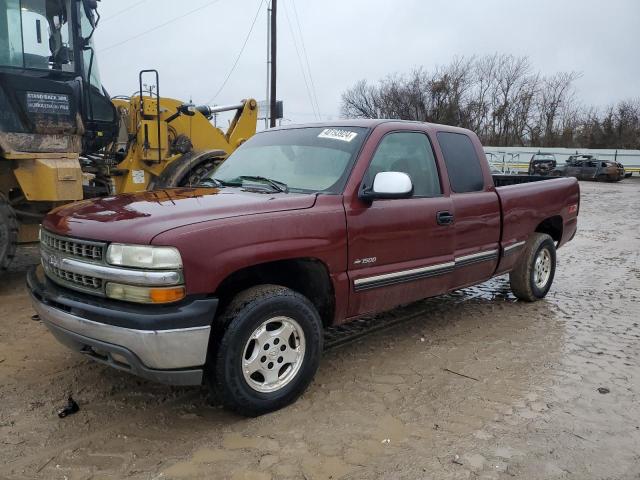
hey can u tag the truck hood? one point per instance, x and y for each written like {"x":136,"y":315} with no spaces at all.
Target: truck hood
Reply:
{"x":138,"y":217}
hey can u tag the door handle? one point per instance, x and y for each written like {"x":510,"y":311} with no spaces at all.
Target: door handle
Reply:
{"x":444,"y":218}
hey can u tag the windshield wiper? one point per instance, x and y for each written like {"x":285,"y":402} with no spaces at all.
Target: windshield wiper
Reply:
{"x":209,"y":182}
{"x":227,"y":183}
{"x":275,"y":184}
{"x":216,"y":182}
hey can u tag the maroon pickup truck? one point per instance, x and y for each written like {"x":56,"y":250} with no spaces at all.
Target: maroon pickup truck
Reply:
{"x":232,"y":282}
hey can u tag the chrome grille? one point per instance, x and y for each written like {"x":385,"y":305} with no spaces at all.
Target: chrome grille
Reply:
{"x":55,"y":248}
{"x":67,"y":277}
{"x":77,"y":248}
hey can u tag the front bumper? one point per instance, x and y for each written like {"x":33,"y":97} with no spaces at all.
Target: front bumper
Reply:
{"x":167,"y":344}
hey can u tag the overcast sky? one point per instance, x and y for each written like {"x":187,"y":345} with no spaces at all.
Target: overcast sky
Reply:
{"x":349,"y":40}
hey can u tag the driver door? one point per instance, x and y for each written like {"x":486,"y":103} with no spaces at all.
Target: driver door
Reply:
{"x":588,"y":170}
{"x":398,"y":251}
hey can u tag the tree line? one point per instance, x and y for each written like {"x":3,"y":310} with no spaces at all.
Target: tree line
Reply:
{"x":501,"y":98}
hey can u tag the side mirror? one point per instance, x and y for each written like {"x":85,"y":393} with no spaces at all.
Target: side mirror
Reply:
{"x":388,"y":185}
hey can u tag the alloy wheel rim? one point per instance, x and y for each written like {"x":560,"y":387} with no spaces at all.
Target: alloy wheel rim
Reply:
{"x":273,"y":354}
{"x":542,"y":268}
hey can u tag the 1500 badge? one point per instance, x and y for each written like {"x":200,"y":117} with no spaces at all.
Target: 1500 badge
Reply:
{"x":364,"y":261}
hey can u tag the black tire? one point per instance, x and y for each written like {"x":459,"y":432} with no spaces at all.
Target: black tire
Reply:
{"x":195,"y":176}
{"x":8,"y":234}
{"x":246,"y":313}
{"x":179,"y":172}
{"x":523,"y":277}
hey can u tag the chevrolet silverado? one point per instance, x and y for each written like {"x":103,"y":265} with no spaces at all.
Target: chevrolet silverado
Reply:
{"x":232,"y":282}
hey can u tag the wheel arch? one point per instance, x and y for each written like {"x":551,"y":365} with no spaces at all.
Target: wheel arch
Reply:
{"x":552,"y":226}
{"x":308,"y":276}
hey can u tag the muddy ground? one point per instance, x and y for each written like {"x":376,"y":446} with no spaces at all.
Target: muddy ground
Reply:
{"x":384,"y":406}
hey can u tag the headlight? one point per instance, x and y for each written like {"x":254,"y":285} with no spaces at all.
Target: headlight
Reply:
{"x":130,"y":293}
{"x":143,"y":256}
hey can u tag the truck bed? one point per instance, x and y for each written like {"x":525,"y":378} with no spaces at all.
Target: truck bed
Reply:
{"x":504,"y":180}
{"x":525,"y":202}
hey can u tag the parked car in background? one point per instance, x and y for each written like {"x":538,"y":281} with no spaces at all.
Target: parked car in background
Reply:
{"x":588,"y":167}
{"x":542,"y":164}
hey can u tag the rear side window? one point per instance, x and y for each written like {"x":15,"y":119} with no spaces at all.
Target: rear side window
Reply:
{"x":465,"y":174}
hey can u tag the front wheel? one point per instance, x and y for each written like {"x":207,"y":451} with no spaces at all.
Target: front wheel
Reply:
{"x":269,"y":351}
{"x":533,"y":274}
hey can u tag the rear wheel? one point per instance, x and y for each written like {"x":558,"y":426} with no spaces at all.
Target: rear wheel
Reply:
{"x":533,"y":274}
{"x":269,"y":351}
{"x":8,"y":234}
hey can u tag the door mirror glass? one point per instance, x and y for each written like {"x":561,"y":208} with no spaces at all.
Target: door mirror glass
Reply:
{"x":389,"y":185}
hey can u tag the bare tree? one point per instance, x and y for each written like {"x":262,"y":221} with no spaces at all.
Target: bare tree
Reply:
{"x":502,"y":99}
{"x":361,"y":101}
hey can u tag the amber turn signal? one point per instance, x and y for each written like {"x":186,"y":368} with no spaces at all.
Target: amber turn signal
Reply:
{"x":166,"y":295}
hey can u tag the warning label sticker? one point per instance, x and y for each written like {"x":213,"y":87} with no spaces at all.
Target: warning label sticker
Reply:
{"x":52,"y":103}
{"x":338,"y":134}
{"x":137,"y":176}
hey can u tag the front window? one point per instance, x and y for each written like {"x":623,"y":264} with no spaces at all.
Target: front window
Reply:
{"x":37,"y":34}
{"x":410,"y":153}
{"x":313,"y":159}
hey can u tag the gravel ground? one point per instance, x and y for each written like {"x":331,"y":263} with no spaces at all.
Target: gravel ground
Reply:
{"x":384,"y":406}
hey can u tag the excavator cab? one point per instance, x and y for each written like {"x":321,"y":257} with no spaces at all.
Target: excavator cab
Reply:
{"x":62,"y":138}
{"x":52,"y":108}
{"x":49,"y":75}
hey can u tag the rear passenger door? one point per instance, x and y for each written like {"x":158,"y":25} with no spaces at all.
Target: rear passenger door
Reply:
{"x":398,"y":252}
{"x":572,"y":169}
{"x":476,"y":210}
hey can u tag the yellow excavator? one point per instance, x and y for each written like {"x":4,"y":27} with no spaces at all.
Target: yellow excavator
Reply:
{"x":63,"y":138}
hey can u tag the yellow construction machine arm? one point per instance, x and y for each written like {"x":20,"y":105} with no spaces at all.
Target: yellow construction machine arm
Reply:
{"x":185,"y":141}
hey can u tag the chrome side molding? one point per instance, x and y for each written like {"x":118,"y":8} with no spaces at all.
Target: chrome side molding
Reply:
{"x":513,"y":247}
{"x":402,"y":276}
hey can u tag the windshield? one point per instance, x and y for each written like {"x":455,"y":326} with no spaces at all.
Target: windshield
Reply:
{"x":313,"y":159}
{"x":37,"y":34}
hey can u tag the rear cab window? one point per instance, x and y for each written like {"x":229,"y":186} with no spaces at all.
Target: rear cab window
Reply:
{"x":463,"y":164}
